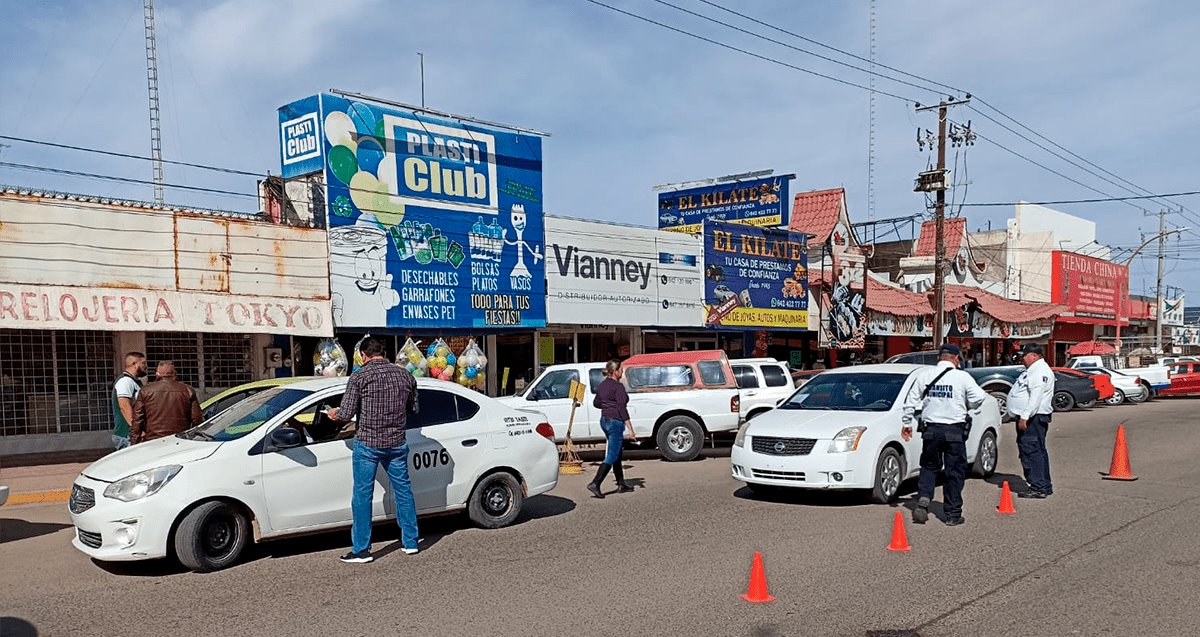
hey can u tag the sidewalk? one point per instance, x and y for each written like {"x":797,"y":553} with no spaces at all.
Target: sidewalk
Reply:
{"x":41,"y":483}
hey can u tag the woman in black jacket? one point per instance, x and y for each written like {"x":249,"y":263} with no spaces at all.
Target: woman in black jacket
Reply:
{"x":612,"y":400}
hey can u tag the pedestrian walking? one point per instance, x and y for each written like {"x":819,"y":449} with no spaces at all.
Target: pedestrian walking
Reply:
{"x":125,"y":392}
{"x":381,"y":395}
{"x":165,"y":407}
{"x":613,"y":402}
{"x":1031,"y":402}
{"x":940,"y":400}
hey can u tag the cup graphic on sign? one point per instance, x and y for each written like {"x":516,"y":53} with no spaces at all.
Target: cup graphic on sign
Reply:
{"x":361,"y":286}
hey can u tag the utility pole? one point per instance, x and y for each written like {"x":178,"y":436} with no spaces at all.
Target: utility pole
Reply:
{"x":937,"y":181}
{"x":1158,"y":288}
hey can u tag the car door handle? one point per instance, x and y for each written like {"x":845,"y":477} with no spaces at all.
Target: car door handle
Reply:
{"x":470,"y":442}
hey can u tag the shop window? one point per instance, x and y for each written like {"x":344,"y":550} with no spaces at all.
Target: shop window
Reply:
{"x":775,"y":376}
{"x":55,"y":382}
{"x":209,"y":363}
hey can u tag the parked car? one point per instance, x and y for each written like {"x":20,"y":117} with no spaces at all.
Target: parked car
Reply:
{"x":1185,"y":380}
{"x":232,"y":396}
{"x":1101,"y":382}
{"x":1171,"y":360}
{"x":1071,"y":390}
{"x":274,"y":465}
{"x":762,"y":383}
{"x":996,"y":381}
{"x":675,"y":399}
{"x":1153,"y":377}
{"x":841,"y":430}
{"x":1125,"y":387}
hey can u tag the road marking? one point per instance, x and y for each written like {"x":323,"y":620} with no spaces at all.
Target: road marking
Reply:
{"x":34,"y":497}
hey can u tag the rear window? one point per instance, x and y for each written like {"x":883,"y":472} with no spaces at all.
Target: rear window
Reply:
{"x":595,"y":377}
{"x":775,"y":376}
{"x":660,"y":376}
{"x":712,"y":373}
{"x":746,"y":379}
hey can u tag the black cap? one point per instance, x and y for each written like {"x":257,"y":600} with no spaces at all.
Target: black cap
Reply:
{"x":1032,"y":348}
{"x":951,"y":349}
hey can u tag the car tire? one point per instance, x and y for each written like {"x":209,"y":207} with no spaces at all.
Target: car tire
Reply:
{"x":987,"y":457}
{"x":680,"y":439}
{"x":1141,"y":396}
{"x":1002,"y":403}
{"x":211,"y":536}
{"x":889,"y":474}
{"x":1062,"y":401}
{"x":496,"y":501}
{"x":1117,"y":398}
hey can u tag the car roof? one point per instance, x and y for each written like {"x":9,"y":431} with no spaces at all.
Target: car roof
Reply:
{"x":259,"y":384}
{"x":889,"y":368}
{"x":674,"y":358}
{"x":742,"y":361}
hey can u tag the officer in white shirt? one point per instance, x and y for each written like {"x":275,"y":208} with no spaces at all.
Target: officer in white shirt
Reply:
{"x":1030,"y":401}
{"x":944,"y":395}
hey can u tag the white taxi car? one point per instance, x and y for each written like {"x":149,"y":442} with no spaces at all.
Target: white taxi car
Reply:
{"x":841,"y":430}
{"x":274,"y":465}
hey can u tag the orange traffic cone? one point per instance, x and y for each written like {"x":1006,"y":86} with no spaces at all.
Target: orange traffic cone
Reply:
{"x":1119,"y":469}
{"x":757,"y":593}
{"x":1006,"y":503}
{"x":899,"y":537}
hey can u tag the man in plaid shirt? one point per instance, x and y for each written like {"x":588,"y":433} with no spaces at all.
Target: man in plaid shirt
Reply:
{"x":381,"y":395}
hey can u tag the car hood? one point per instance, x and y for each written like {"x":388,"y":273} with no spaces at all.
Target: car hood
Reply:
{"x":148,"y":455}
{"x":815,"y":423}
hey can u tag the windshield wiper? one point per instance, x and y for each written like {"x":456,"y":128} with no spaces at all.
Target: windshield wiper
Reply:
{"x":203,"y":434}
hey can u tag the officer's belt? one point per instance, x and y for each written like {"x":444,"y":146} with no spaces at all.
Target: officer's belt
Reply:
{"x":947,"y":424}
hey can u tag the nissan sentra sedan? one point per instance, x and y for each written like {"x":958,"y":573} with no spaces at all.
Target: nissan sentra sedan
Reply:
{"x":841,"y":430}
{"x":274,"y":465}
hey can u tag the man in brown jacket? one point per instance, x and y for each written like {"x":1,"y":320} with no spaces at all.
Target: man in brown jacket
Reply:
{"x":164,"y":407}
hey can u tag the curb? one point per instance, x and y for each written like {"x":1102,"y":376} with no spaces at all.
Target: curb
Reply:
{"x":38,"y":497}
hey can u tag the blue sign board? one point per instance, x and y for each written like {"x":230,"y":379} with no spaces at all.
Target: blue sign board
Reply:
{"x":300,"y":138}
{"x":755,"y":277}
{"x":432,"y":223}
{"x":758,"y":202}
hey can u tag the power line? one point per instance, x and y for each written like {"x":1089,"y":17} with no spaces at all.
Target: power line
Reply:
{"x":111,"y":153}
{"x":744,"y":51}
{"x":1189,"y":193}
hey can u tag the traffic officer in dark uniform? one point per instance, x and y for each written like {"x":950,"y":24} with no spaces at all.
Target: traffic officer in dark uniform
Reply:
{"x":939,"y":401}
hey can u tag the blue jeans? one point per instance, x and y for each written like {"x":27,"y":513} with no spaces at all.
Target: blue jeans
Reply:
{"x":395,"y":463}
{"x":614,"y":432}
{"x":120,"y":442}
{"x":1031,"y":447}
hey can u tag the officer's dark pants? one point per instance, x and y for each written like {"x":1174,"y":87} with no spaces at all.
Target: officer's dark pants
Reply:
{"x":1031,"y":446}
{"x":943,"y":446}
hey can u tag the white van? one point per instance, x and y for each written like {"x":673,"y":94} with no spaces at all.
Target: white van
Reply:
{"x":762,"y":382}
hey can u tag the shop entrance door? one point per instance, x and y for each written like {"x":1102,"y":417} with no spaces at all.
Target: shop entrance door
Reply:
{"x":691,"y":343}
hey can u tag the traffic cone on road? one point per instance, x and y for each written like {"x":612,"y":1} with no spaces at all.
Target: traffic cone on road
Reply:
{"x":757,"y":592}
{"x":1006,"y":503}
{"x":899,"y":537}
{"x":1119,"y":469}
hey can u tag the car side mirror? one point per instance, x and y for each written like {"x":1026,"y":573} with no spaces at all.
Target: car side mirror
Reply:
{"x":286,"y":438}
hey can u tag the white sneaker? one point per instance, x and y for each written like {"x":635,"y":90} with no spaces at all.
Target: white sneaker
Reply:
{"x":408,"y":551}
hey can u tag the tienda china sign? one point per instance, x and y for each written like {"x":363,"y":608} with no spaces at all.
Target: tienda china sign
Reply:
{"x":1091,"y":288}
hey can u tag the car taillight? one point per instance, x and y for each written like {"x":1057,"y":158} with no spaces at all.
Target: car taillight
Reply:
{"x":735,"y":404}
{"x":545,"y":430}
{"x":1137,"y":379}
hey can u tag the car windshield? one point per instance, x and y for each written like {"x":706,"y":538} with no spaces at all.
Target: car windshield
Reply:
{"x":247,"y":415}
{"x":848,"y":392}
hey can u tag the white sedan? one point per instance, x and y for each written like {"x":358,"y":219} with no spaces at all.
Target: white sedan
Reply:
{"x":841,"y":430}
{"x":274,"y":465}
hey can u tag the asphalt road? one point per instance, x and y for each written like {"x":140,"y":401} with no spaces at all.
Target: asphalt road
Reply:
{"x":1097,"y":558}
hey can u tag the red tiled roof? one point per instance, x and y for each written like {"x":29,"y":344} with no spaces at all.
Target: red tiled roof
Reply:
{"x":816,"y":213}
{"x":954,"y":229}
{"x":897,"y":301}
{"x":1005,"y":310}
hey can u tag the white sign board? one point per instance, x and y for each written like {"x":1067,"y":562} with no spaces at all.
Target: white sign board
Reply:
{"x":620,"y":275}
{"x":1172,"y":311}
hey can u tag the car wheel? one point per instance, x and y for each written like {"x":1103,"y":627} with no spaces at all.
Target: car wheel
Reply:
{"x":889,"y":473}
{"x":1086,"y":405}
{"x":987,"y":456}
{"x":1117,"y":398}
{"x":680,"y":439}
{"x":496,"y":501}
{"x":1141,"y":397}
{"x":211,"y":536}
{"x":1002,"y":403}
{"x":1062,"y":401}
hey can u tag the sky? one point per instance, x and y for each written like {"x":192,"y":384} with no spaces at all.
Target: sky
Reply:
{"x":631,"y":105}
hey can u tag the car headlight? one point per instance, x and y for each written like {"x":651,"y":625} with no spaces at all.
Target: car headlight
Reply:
{"x":140,"y":485}
{"x":846,"y":439}
{"x":740,"y":439}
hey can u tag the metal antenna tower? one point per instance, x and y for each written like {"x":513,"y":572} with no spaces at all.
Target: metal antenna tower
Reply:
{"x":152,"y":86}
{"x":871,"y":131}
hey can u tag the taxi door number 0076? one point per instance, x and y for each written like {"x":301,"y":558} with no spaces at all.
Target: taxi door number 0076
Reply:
{"x":430,"y":459}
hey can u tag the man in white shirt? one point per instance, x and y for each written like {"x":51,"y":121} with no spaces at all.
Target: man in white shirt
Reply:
{"x":125,"y":393}
{"x":1030,"y":402}
{"x":944,"y":395}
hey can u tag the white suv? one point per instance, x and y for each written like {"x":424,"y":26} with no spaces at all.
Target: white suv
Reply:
{"x":762,"y":382}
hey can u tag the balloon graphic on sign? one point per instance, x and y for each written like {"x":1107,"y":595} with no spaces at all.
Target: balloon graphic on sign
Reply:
{"x":370,"y":153}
